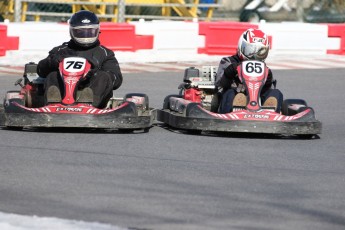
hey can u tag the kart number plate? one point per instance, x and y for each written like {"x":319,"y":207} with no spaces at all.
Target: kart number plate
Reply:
{"x":74,"y":64}
{"x":253,"y":68}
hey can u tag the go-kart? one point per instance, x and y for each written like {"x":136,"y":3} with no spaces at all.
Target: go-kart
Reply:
{"x":26,"y":108}
{"x":194,"y":109}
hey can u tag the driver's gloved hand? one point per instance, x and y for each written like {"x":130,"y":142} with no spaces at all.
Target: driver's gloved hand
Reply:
{"x":55,"y":60}
{"x":58,"y":57}
{"x":91,"y":73}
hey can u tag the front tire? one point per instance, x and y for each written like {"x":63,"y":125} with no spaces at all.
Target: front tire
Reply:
{"x":288,"y":110}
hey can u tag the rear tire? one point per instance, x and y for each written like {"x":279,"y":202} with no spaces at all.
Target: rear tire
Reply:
{"x":2,"y":115}
{"x":215,"y":102}
{"x":12,"y":98}
{"x":146,"y":98}
{"x":166,"y":103}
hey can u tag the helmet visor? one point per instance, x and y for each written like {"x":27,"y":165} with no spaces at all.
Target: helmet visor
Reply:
{"x":85,"y":31}
{"x":85,"y":35}
{"x":254,"y":51}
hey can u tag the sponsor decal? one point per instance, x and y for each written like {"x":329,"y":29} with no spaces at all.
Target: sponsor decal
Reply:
{"x":256,"y":116}
{"x":195,"y":79}
{"x":69,"y":109}
{"x":71,"y":80}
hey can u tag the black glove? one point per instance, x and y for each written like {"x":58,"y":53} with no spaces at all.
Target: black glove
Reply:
{"x":56,"y":58}
{"x":54,"y":61}
{"x":91,"y":73}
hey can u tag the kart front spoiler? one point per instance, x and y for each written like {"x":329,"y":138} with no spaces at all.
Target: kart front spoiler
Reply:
{"x":124,"y":118}
{"x":105,"y":121}
{"x":180,"y":121}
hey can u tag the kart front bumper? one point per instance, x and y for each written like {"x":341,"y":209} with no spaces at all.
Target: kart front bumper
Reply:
{"x":124,"y":118}
{"x":181,"y":121}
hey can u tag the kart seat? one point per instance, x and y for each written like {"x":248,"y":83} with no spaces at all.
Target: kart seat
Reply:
{"x":30,"y":74}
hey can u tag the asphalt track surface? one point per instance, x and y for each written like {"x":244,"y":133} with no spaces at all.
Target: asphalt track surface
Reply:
{"x":167,"y":179}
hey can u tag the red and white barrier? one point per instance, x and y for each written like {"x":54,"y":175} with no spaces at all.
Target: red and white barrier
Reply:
{"x":122,"y":36}
{"x":299,"y":38}
{"x":161,"y":41}
{"x":6,"y":42}
{"x":221,"y":38}
{"x":337,"y":31}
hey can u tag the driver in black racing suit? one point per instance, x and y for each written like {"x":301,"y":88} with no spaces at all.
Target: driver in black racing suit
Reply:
{"x":105,"y":74}
{"x":252,"y":45}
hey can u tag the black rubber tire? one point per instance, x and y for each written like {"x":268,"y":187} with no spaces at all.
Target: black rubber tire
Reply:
{"x":166,"y":104}
{"x":129,"y":95}
{"x":285,"y":107}
{"x":19,"y":101}
{"x":22,"y":102}
{"x":215,"y":102}
{"x":2,"y":115}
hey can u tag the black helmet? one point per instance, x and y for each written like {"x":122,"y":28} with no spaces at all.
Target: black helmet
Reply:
{"x":84,"y":28}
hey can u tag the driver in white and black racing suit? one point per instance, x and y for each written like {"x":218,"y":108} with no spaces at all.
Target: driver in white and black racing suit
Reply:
{"x":252,"y":45}
{"x":105,"y":74}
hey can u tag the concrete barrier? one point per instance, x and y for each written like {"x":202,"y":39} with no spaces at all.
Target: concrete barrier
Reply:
{"x":121,"y":36}
{"x":294,"y":38}
{"x":39,"y":36}
{"x":221,"y":38}
{"x":171,"y":41}
{"x":337,"y":31}
{"x":6,"y":42}
{"x":170,"y":36}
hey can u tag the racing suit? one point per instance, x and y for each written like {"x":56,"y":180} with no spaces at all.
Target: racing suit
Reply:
{"x":229,"y":84}
{"x":104,"y":77}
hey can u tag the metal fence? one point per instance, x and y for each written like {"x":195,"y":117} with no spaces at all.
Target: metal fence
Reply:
{"x":332,"y":11}
{"x":109,"y":10}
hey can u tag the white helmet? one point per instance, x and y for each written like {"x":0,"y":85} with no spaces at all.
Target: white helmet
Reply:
{"x":253,"y":45}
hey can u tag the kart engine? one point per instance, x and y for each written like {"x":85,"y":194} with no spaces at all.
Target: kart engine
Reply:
{"x":200,"y":86}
